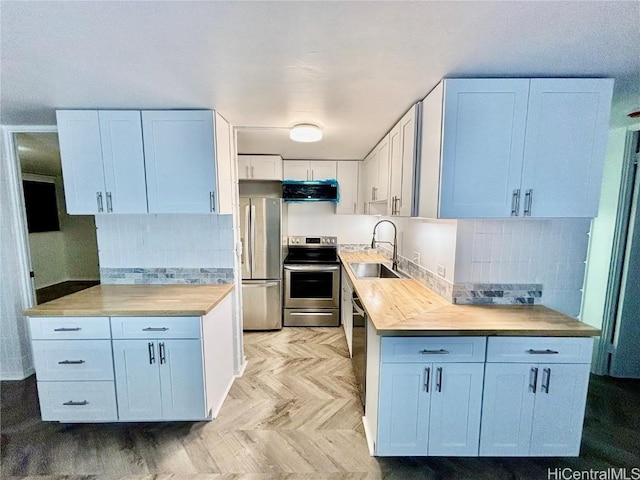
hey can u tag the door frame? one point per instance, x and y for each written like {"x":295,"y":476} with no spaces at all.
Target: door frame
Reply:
{"x":16,"y":205}
{"x":604,"y":352}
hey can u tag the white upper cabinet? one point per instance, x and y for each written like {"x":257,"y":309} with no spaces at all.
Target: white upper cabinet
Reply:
{"x":225,"y":152}
{"x":180,"y":165}
{"x":304,"y":170}
{"x":102,"y":161}
{"x":348,"y":174}
{"x":567,"y":125}
{"x":513,"y":147}
{"x":138,"y":162}
{"x":259,"y":167}
{"x":403,"y":155}
{"x":376,"y":173}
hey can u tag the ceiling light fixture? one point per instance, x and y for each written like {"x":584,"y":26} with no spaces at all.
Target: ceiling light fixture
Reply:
{"x":305,"y":132}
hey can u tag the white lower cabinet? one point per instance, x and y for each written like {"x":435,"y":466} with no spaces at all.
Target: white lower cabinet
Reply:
{"x":534,"y":404}
{"x":437,"y":396}
{"x":77,"y":401}
{"x":428,"y":407}
{"x":159,"y":379}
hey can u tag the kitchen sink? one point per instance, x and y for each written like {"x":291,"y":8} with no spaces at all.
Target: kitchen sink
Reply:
{"x":373,"y":270}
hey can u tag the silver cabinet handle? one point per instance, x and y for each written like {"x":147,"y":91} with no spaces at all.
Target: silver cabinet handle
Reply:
{"x":99,"y":200}
{"x":71,"y":362}
{"x":162,"y":357}
{"x":155,"y":329}
{"x":528,"y":199}
{"x":515,"y":203}
{"x":435,"y":352}
{"x":212,"y":200}
{"x":427,"y":378}
{"x":67,"y":329}
{"x":546,"y":379}
{"x":152,"y":354}
{"x":531,"y":351}
{"x":439,"y":379}
{"x":75,"y":404}
{"x":109,"y":202}
{"x":247,"y":169}
{"x":253,"y":173}
{"x":533,"y":379}
{"x":355,"y":207}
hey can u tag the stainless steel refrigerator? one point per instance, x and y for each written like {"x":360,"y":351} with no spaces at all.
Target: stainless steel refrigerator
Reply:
{"x":262,"y":255}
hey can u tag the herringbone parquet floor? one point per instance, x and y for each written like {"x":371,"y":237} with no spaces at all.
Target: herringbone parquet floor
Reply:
{"x":294,"y":415}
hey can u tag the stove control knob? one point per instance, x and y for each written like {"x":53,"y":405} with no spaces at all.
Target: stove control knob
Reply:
{"x":333,"y":240}
{"x":297,"y":240}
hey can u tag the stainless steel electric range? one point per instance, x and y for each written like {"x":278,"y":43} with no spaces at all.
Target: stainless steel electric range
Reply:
{"x":312,"y":282}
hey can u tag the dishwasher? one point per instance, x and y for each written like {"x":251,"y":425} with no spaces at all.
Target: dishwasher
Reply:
{"x":359,"y":346}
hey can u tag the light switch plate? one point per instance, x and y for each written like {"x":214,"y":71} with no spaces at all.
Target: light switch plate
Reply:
{"x":441,"y":270}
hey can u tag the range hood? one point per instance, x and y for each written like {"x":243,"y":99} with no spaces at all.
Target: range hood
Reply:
{"x":310,"y":191}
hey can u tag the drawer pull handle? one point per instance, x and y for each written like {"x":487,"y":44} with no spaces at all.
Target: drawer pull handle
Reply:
{"x":75,"y":404}
{"x":71,"y":362}
{"x":67,"y":329}
{"x":435,"y":352}
{"x":542,"y":352}
{"x":155,"y":329}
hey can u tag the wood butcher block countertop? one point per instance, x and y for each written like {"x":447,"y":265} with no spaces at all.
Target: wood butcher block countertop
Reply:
{"x":136,"y":300}
{"x":406,"y":307}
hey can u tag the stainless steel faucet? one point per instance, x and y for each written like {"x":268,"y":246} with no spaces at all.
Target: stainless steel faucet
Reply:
{"x":395,"y":242}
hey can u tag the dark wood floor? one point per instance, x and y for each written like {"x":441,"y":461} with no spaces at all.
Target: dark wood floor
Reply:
{"x":46,"y":294}
{"x":293,"y":416}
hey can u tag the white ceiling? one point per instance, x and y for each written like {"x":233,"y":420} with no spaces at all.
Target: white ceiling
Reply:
{"x":351,"y":67}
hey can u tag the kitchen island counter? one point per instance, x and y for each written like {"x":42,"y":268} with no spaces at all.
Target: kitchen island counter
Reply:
{"x":406,"y":307}
{"x":136,"y":300}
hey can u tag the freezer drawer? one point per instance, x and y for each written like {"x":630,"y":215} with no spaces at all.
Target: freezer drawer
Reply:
{"x":262,"y":305}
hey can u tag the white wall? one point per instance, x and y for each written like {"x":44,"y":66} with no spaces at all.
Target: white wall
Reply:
{"x":156,"y":241}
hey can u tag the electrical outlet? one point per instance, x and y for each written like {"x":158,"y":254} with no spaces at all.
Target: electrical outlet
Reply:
{"x":416,"y":258}
{"x":441,"y":270}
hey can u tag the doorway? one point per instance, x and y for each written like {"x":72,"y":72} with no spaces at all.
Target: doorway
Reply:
{"x":621,"y":326}
{"x":63,"y":249}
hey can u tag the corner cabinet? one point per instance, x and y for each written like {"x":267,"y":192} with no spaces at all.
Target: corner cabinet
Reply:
{"x":513,"y":147}
{"x":143,"y":161}
{"x":158,"y":368}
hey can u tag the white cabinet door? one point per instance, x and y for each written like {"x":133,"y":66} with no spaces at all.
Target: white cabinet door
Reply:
{"x":456,"y":400}
{"x":507,"y":409}
{"x":408,"y":135}
{"x":179,"y":155}
{"x":347,"y":176}
{"x":384,"y":158}
{"x":123,"y":159}
{"x":181,"y":379}
{"x":224,"y":166}
{"x":324,"y":170}
{"x":403,"y":419}
{"x":137,"y":380}
{"x":244,"y":167}
{"x":567,"y":126}
{"x":81,"y":157}
{"x":370,"y":177}
{"x":482,"y":149}
{"x":395,"y":182}
{"x":559,"y":410}
{"x":266,"y":167}
{"x":296,"y":170}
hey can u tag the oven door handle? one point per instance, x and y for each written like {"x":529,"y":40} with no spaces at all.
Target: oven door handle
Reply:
{"x":309,"y":268}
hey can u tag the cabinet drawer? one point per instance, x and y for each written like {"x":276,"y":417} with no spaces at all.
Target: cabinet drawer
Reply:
{"x":155,"y":327}
{"x":432,"y":349}
{"x":77,"y":401}
{"x":73,"y":360}
{"x":539,"y":349}
{"x":63,"y":328}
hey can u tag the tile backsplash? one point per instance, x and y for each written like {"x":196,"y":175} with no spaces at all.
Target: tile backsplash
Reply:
{"x":165,"y":248}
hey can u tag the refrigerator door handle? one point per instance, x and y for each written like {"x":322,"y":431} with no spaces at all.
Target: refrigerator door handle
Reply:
{"x":245,"y":244}
{"x":253,"y":236}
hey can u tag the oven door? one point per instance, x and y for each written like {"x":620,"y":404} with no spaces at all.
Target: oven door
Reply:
{"x":311,"y":286}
